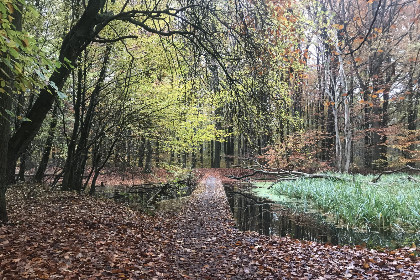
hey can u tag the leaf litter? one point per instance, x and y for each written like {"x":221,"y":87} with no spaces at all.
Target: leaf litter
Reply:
{"x":60,"y":235}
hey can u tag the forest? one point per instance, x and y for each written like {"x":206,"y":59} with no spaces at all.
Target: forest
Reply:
{"x":148,"y":134}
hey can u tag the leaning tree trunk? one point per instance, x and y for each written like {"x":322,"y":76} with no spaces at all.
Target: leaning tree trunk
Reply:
{"x":76,"y":40}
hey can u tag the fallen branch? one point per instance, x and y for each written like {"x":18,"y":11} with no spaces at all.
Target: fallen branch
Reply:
{"x":152,"y":200}
{"x":289,"y":175}
{"x":407,"y":167}
{"x":258,"y":200}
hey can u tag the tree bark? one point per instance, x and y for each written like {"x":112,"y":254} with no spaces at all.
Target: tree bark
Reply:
{"x":217,"y":154}
{"x":5,"y":123}
{"x":47,"y":149}
{"x":157,"y":153}
{"x":6,"y":98}
{"x":78,"y":154}
{"x":141,"y":149}
{"x":149,"y":152}
{"x":76,"y":40}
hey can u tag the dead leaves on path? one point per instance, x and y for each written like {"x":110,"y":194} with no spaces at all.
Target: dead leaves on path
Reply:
{"x":66,"y":236}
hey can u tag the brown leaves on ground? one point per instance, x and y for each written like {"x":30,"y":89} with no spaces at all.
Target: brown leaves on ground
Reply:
{"x":66,"y":236}
{"x":132,"y":176}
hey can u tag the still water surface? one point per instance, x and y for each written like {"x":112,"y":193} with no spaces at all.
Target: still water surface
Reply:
{"x":291,"y":217}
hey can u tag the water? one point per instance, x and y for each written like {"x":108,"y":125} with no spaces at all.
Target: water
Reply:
{"x":145,"y":195}
{"x":291,"y":217}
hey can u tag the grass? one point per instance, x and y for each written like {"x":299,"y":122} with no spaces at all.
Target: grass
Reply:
{"x":393,"y":203}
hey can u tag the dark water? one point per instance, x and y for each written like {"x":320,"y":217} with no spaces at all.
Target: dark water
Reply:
{"x":145,"y":195}
{"x":257,"y":214}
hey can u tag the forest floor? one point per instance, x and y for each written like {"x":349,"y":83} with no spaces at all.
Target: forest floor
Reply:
{"x":57,"y":235}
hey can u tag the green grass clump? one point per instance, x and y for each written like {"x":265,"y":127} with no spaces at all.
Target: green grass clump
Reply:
{"x":393,"y":203}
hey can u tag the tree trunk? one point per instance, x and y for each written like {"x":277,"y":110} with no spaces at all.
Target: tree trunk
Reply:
{"x":6,"y":99}
{"x":202,"y":155}
{"x":157,"y":153}
{"x":141,"y":149}
{"x":149,"y":152}
{"x":22,"y":165}
{"x":184,"y":159}
{"x":383,"y":149}
{"x":69,"y":166}
{"x":217,"y":154}
{"x":229,"y":148}
{"x":76,"y":40}
{"x":412,"y":114}
{"x":76,"y":164}
{"x":5,"y":123}
{"x":347,"y":130}
{"x":211,"y":151}
{"x":47,"y":149}
{"x":193,"y":159}
{"x":171,"y":157}
{"x":366,"y":124}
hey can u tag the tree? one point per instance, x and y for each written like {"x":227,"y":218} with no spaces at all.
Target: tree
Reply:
{"x":165,"y":19}
{"x":10,"y":68}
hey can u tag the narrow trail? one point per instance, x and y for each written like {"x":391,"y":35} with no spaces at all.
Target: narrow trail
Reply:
{"x":205,"y":240}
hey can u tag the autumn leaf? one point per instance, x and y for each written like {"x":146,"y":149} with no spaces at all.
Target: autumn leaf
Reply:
{"x":10,"y":7}
{"x":366,"y":265}
{"x":25,"y":42}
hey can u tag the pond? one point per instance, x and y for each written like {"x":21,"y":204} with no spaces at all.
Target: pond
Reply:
{"x":295,"y":218}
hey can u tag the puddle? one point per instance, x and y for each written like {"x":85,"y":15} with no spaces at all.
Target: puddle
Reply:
{"x":291,"y":217}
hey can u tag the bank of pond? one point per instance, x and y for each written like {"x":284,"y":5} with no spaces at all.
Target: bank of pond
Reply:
{"x":358,"y":210}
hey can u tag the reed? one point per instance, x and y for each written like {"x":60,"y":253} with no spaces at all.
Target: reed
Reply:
{"x":393,"y":203}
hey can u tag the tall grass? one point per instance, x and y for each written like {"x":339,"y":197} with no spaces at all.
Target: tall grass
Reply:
{"x":393,"y":203}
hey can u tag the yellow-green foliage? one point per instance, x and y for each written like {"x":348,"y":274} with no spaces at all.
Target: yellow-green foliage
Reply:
{"x":170,"y":108}
{"x":18,"y":50}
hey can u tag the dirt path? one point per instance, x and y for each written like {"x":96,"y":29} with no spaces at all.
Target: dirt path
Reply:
{"x":205,"y":243}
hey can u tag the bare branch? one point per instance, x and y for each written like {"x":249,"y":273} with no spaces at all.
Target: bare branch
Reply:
{"x":369,"y":31}
{"x":405,"y":168}
{"x":103,"y":40}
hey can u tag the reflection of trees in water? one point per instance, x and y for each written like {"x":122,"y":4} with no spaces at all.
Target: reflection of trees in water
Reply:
{"x":256,"y":214}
